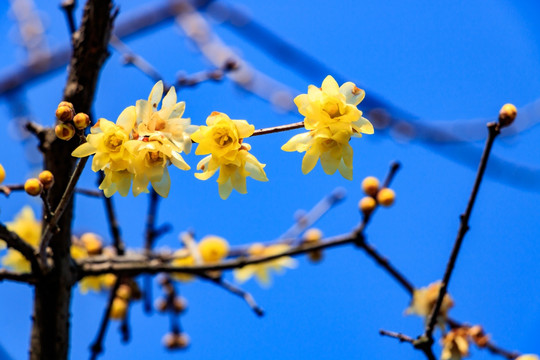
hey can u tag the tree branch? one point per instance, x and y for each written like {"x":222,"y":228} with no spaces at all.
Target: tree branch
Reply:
{"x":15,"y":242}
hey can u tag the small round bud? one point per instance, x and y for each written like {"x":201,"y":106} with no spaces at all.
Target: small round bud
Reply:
{"x":47,"y":179}
{"x":213,"y":249}
{"x":179,"y":304}
{"x":315,"y":256}
{"x":370,"y":185}
{"x":386,"y":197}
{"x":124,"y":292}
{"x":64,"y":131}
{"x":33,"y":187}
{"x":174,"y":341}
{"x":119,"y":309}
{"x":81,"y":121}
{"x":65,"y":113}
{"x":367,"y":204}
{"x":68,"y":104}
{"x":507,"y":115}
{"x":313,"y":235}
{"x":93,"y":243}
{"x":161,"y":305}
{"x":2,"y":174}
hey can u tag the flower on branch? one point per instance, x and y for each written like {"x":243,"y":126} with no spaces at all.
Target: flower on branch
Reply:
{"x":28,"y":228}
{"x":332,"y":117}
{"x":262,"y":271}
{"x":455,"y":344}
{"x":424,"y":300}
{"x":222,"y":138}
{"x":141,"y":145}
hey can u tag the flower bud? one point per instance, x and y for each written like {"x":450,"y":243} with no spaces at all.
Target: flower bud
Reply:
{"x":33,"y":187}
{"x":370,"y":185}
{"x":386,"y":197}
{"x":367,"y":204}
{"x":64,"y":131}
{"x":213,"y":249}
{"x":179,"y":304}
{"x":47,"y":179}
{"x":65,"y":113}
{"x":313,"y":235}
{"x":315,"y":256}
{"x":124,"y":292}
{"x":81,"y":121}
{"x":2,"y":174}
{"x":174,"y":341}
{"x":68,"y":104}
{"x":119,"y":309}
{"x":93,"y":243}
{"x":507,"y":115}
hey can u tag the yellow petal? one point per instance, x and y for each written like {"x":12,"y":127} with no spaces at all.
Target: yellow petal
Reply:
{"x":84,"y":150}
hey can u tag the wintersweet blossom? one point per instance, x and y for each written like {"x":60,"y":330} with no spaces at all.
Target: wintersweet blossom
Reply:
{"x":79,"y":250}
{"x":424,"y":300}
{"x":167,"y":121}
{"x":528,"y":357}
{"x":332,"y":116}
{"x":222,"y":138}
{"x":262,"y":271}
{"x":455,"y":344}
{"x":29,"y":230}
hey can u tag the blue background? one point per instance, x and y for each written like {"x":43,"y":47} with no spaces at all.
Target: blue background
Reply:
{"x":448,"y":62}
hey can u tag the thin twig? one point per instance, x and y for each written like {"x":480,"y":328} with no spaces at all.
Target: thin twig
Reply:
{"x":279,"y":128}
{"x":150,"y":236}
{"x":8,"y":189}
{"x":69,"y":6}
{"x":493,"y":131}
{"x":97,"y":347}
{"x":401,"y":337}
{"x":59,"y":211}
{"x":207,"y":75}
{"x":131,"y":58}
{"x":248,"y":298}
{"x":114,"y":227}
{"x":48,"y":212}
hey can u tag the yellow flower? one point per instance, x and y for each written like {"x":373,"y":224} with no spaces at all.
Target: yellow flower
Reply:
{"x":222,"y":139}
{"x":151,"y":157}
{"x":331,"y":145}
{"x":455,"y":344}
{"x":528,"y":357}
{"x":262,"y":270}
{"x":332,"y":104}
{"x":29,"y":229}
{"x":167,"y":121}
{"x":424,"y":300}
{"x":79,"y":250}
{"x":183,"y":258}
{"x":213,"y":249}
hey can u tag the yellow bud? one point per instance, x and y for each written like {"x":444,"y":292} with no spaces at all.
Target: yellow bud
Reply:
{"x":64,"y":131}
{"x":47,"y":179}
{"x":2,"y":174}
{"x":119,"y":309}
{"x":33,"y":187}
{"x":386,"y":197}
{"x":64,"y":113}
{"x":68,"y":104}
{"x":213,"y":249}
{"x":370,"y":185}
{"x":124,"y":292}
{"x":93,"y":243}
{"x":367,"y":204}
{"x":507,"y":115}
{"x":313,"y":235}
{"x":81,"y":121}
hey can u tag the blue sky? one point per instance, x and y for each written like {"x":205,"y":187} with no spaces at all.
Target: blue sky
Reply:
{"x":448,"y":63}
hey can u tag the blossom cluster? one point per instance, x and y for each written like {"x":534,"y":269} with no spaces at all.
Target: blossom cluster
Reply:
{"x":332,"y":118}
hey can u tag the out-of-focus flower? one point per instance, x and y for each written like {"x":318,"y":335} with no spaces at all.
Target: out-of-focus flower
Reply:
{"x":2,"y":174}
{"x":83,"y":248}
{"x":455,"y":344}
{"x":167,"y":121}
{"x":262,"y":271}
{"x":213,"y":249}
{"x":222,"y":139}
{"x":424,"y":300}
{"x":183,"y":258}
{"x":151,"y":158}
{"x":528,"y":357}
{"x":332,"y":116}
{"x":28,"y":228}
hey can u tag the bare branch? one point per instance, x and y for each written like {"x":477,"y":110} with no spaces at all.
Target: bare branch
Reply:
{"x":15,"y":242}
{"x":17,"y":277}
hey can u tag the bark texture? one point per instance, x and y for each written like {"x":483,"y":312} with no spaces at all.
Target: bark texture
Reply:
{"x":52,"y":297}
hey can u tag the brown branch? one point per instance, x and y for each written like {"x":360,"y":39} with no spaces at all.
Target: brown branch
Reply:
{"x":69,"y":7}
{"x":131,"y":58}
{"x":8,"y":189}
{"x":150,"y":236}
{"x":401,"y":337}
{"x":493,"y":131}
{"x":17,"y":277}
{"x":15,"y":242}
